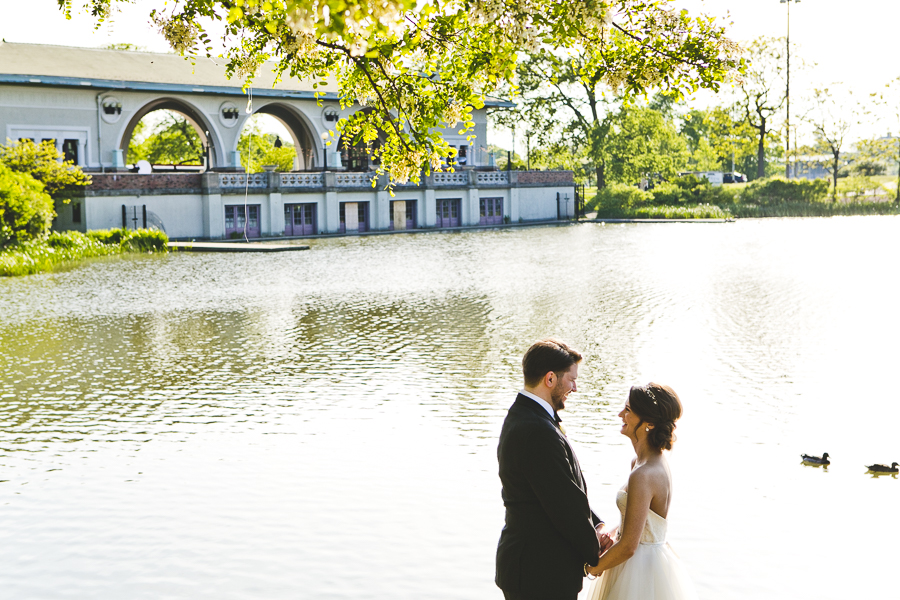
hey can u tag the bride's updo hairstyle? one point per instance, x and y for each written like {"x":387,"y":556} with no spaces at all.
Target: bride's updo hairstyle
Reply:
{"x":659,"y":405}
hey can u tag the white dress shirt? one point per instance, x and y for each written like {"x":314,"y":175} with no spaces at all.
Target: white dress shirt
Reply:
{"x":542,"y":402}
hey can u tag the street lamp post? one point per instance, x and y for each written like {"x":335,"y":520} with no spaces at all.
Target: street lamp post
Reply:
{"x":787,"y":94}
{"x":324,"y":152}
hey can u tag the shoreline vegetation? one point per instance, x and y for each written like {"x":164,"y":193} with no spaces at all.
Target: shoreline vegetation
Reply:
{"x":689,"y":197}
{"x":63,"y":249}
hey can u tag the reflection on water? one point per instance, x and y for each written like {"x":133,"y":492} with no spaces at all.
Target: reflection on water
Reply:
{"x":323,"y":424}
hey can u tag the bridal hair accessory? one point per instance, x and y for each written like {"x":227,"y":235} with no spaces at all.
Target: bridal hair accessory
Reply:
{"x":650,"y":393}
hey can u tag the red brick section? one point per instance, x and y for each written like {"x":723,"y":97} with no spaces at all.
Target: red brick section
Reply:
{"x":158,"y":181}
{"x":547,"y":177}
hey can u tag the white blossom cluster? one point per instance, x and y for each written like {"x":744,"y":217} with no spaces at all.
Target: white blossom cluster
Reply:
{"x":305,"y":17}
{"x":181,"y":35}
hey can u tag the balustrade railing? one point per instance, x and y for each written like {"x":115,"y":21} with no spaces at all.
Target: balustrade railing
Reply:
{"x":447,"y":178}
{"x":493,"y":178}
{"x":301,"y":179}
{"x":353,"y":179}
{"x":239,"y":180}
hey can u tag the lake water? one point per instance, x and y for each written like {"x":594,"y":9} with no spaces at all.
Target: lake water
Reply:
{"x":323,"y":424}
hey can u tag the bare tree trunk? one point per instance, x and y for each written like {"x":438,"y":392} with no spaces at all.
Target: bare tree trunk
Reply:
{"x":601,"y":176}
{"x":834,"y":174}
{"x":760,"y":150}
{"x":897,"y":199}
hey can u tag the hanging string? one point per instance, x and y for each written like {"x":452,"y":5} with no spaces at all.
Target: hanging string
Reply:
{"x":248,"y":110}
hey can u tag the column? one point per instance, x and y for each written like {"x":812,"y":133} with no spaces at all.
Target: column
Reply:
{"x":381,"y":214}
{"x":428,"y":212}
{"x":514,"y":214}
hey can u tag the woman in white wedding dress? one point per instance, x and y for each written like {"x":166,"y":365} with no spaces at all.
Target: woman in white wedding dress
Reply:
{"x":641,"y":565}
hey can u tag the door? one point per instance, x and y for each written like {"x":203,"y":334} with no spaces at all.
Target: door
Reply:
{"x":447,"y":212}
{"x":403,"y":214}
{"x":491,"y":211}
{"x":239,"y":222}
{"x":299,"y":219}
{"x":354,"y":217}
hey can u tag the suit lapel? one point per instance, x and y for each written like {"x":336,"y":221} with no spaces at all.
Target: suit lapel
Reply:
{"x":529,"y":404}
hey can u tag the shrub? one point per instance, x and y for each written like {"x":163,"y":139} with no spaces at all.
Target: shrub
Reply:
{"x":58,"y":249}
{"x":619,"y":198}
{"x":858,"y":186}
{"x":108,"y":236}
{"x":26,"y":211}
{"x":776,"y":190}
{"x":134,"y":240}
{"x":146,"y":240}
{"x":868,"y":167}
{"x":668,"y":193}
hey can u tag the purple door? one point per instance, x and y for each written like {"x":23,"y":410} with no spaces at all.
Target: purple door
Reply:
{"x":409,"y":214}
{"x":491,"y":211}
{"x":354,"y":216}
{"x":239,"y":222}
{"x":447,"y":213}
{"x":299,"y":219}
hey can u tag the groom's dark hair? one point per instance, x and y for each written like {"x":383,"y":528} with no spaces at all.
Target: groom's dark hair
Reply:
{"x":545,"y":356}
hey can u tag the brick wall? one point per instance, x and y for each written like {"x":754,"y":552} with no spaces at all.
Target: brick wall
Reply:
{"x":133,"y":181}
{"x":546,"y":177}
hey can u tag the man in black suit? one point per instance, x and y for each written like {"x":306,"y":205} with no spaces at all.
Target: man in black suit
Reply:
{"x":551,"y":534}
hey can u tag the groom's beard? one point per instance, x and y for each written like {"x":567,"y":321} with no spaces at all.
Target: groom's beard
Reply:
{"x":558,"y":396}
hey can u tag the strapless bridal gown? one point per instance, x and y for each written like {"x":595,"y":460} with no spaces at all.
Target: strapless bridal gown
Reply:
{"x":653,"y":573}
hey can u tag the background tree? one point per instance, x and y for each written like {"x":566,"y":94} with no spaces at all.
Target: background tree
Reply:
{"x":173,"y":141}
{"x":45,"y":164}
{"x":830,"y":125}
{"x":259,"y":149}
{"x":33,"y":177}
{"x":763,"y":92}
{"x":26,"y":210}
{"x":889,"y":100}
{"x":643,"y":142}
{"x":720,"y":137}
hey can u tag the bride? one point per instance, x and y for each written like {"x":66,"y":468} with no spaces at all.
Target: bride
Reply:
{"x":641,"y":565}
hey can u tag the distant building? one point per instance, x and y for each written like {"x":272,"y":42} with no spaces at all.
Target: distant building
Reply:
{"x":89,"y":101}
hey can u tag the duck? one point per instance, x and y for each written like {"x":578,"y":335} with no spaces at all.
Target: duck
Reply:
{"x":884,"y":468}
{"x":823,"y":460}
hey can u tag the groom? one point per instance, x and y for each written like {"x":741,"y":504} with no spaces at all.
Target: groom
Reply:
{"x":551,"y":533}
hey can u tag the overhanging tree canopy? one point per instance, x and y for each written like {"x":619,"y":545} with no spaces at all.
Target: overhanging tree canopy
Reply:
{"x":424,"y":64}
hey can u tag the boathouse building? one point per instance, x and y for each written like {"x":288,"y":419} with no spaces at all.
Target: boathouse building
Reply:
{"x":89,"y":101}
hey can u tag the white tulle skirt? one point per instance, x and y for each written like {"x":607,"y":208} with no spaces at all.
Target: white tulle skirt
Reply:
{"x":653,"y":573}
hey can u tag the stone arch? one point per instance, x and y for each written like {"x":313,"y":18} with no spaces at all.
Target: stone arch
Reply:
{"x":194,"y":116}
{"x":309,"y":151}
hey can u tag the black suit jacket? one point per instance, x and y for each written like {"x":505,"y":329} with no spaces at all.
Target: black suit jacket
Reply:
{"x":549,"y":532}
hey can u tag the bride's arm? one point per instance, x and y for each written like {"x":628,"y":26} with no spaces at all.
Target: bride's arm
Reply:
{"x":636,"y":511}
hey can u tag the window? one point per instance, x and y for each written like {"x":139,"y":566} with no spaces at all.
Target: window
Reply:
{"x":463,"y":155}
{"x":70,"y":150}
{"x":76,"y":212}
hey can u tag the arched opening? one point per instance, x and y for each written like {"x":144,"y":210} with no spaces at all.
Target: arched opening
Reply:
{"x":168,"y":135}
{"x":357,"y":155}
{"x":277,"y":136}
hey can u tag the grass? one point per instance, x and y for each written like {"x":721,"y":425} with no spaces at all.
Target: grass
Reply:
{"x":814,"y":209}
{"x":59,"y":250}
{"x":696,"y":211}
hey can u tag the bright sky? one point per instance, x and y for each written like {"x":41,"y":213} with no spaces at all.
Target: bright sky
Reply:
{"x":850,"y":42}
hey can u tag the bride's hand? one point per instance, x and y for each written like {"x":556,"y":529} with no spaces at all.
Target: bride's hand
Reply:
{"x":606,"y":542}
